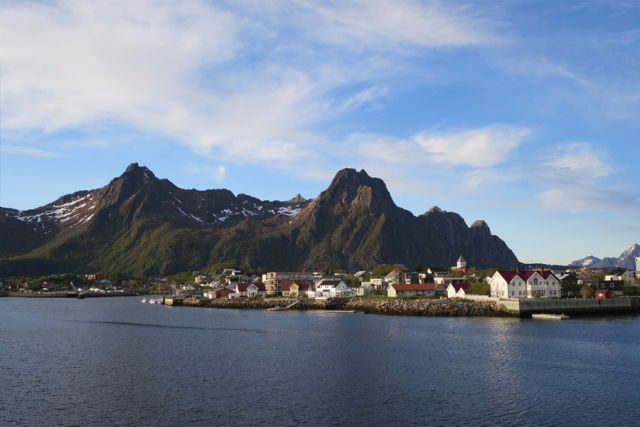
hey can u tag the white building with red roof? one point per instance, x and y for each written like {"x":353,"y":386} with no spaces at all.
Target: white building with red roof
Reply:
{"x":525,"y":284}
{"x":415,"y":290}
{"x":457,"y":290}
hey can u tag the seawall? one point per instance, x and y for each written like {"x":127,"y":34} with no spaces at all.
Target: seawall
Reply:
{"x":525,"y":308}
{"x":402,"y":307}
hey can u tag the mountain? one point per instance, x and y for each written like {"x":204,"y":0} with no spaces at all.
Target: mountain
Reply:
{"x":626,"y":260}
{"x":586,"y":262}
{"x":140,"y":224}
{"x":628,"y":257}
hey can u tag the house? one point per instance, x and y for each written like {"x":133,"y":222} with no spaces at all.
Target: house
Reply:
{"x":403,"y":268}
{"x":250,"y":290}
{"x":200,"y":279}
{"x":360,"y":275}
{"x":621,"y":274}
{"x":415,"y":290}
{"x":525,"y":284}
{"x":378,"y":286}
{"x":293,"y":289}
{"x":401,"y":276}
{"x":217,"y":293}
{"x":445,"y":281}
{"x":437,"y":271}
{"x":96,"y":276}
{"x":603,"y":294}
{"x":273,"y":281}
{"x":615,"y":286}
{"x":325,"y":288}
{"x":231,"y":272}
{"x":457,"y":290}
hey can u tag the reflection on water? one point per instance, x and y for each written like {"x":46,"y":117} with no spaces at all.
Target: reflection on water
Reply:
{"x":114,"y":361}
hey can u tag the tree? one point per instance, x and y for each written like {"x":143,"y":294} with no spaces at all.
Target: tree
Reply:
{"x":479,"y":288}
{"x":382,"y":270}
{"x":586,"y":291}
{"x":570,"y":288}
{"x":419,"y":267}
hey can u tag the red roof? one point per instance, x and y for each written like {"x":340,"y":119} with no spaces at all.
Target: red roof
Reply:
{"x":415,"y":287}
{"x":242,"y":287}
{"x":508,"y":276}
{"x":302,"y":285}
{"x":458,"y":286}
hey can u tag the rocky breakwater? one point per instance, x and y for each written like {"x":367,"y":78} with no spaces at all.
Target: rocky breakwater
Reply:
{"x":402,"y":307}
{"x":425,"y":307}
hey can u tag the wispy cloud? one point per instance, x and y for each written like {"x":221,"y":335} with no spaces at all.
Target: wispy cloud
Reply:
{"x":482,"y":147}
{"x":27,"y":151}
{"x":183,"y":69}
{"x":578,"y":160}
{"x":217,"y":173}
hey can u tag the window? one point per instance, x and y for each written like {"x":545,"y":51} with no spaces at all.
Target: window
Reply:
{"x":535,"y":282}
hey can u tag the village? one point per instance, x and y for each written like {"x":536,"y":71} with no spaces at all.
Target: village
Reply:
{"x":432,"y":282}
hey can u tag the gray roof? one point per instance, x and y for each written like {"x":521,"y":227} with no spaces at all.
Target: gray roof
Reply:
{"x":461,"y":259}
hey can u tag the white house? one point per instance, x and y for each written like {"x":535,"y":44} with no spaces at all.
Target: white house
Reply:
{"x":457,"y":290}
{"x":621,"y":274}
{"x":332,"y":289}
{"x":528,"y":284}
{"x":415,"y":290}
{"x":250,"y":290}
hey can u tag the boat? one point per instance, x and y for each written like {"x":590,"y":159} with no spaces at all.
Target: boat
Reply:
{"x":545,"y":316}
{"x":152,"y":301}
{"x":144,"y":300}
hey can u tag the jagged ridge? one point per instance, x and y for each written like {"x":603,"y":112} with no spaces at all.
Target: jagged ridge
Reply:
{"x":141,"y":224}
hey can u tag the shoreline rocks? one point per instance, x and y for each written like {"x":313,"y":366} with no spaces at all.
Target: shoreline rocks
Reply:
{"x":399,"y":307}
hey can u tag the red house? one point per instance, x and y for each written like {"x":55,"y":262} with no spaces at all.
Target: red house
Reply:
{"x":604,"y":294}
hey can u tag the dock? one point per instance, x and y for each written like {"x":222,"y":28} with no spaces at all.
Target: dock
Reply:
{"x":527,"y":307}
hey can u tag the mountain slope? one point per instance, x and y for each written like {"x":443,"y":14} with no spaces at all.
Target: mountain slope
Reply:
{"x":144,"y":225}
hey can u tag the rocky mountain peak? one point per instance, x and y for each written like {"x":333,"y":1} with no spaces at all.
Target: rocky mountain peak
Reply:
{"x":351,"y":187}
{"x":436,"y":209}
{"x":297,"y":199}
{"x":132,"y":167}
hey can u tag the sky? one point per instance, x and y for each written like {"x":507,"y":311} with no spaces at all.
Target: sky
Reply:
{"x":522,"y":114}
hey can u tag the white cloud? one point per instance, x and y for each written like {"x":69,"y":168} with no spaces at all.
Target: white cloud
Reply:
{"x":578,"y":160}
{"x":26,"y":151}
{"x":585,"y":198}
{"x":235,"y":80}
{"x":363,"y":24}
{"x":483,"y":147}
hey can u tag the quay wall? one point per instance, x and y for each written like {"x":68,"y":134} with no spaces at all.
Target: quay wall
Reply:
{"x":526,"y":308}
{"x":403,"y":307}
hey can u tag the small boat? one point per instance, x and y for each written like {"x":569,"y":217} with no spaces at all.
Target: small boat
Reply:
{"x":550,"y":316}
{"x":152,"y":301}
{"x":278,"y":308}
{"x":144,"y":300}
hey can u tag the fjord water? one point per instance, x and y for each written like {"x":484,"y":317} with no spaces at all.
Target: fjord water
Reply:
{"x":115,"y":361}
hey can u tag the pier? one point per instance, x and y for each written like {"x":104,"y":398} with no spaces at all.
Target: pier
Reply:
{"x":525,"y":308}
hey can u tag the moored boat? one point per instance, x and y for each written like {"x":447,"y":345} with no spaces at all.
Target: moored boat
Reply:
{"x":545,"y":316}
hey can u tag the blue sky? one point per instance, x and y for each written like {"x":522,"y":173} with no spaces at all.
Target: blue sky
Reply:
{"x":524,"y":114}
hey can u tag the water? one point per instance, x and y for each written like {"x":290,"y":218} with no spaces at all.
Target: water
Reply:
{"x":115,"y":361}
